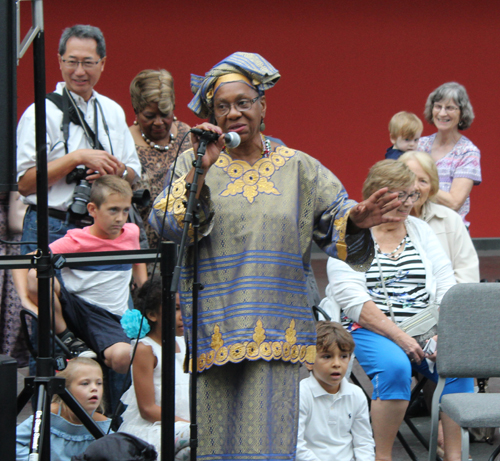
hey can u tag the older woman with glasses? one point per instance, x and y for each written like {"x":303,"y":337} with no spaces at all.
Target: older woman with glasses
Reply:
{"x":261,"y":207}
{"x":458,"y":160}
{"x":409,"y":273}
{"x":445,"y":222}
{"x":157,"y":133}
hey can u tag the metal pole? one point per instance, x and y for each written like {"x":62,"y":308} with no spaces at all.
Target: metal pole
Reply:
{"x":168,"y":258}
{"x":45,"y":367}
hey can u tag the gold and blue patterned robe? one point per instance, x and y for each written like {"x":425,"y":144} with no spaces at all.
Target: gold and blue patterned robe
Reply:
{"x":257,"y":227}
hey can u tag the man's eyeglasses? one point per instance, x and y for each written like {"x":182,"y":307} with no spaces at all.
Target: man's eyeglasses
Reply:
{"x":448,"y":109}
{"x":413,"y":197}
{"x":242,"y":105}
{"x":73,"y":64}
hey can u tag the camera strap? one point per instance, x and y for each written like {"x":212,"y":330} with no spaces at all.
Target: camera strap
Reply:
{"x":72,"y":113}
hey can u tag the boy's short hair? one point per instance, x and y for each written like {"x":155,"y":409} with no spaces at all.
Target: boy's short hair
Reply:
{"x":106,"y":185}
{"x":405,"y":124}
{"x":333,"y":333}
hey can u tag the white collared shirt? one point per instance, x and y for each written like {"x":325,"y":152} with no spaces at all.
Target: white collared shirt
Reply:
{"x":333,"y":427}
{"x":60,"y":194}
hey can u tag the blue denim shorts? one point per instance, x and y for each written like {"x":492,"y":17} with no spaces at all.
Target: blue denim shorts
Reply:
{"x":390,"y":369}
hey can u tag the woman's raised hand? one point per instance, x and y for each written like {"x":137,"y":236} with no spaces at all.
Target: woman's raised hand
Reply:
{"x":213,"y":148}
{"x":372,"y":211}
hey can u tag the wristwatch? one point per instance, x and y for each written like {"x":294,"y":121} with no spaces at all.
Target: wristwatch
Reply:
{"x":125,"y":174}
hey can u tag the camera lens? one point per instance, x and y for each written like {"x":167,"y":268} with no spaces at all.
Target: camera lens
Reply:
{"x":81,"y":197}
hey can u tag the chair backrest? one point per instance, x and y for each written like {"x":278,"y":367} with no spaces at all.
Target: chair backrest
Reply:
{"x":469,"y":331}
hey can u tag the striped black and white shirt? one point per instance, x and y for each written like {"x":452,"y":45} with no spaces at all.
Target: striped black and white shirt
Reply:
{"x":404,"y":280}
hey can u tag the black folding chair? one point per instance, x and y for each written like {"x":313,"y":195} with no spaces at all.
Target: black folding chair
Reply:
{"x":32,"y":349}
{"x":113,"y":381}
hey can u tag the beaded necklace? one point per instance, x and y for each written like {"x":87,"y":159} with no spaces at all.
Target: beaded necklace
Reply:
{"x":266,"y":147}
{"x":392,"y":254}
{"x":157,"y":146}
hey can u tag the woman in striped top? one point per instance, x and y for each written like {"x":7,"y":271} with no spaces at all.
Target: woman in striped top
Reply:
{"x":416,"y":273}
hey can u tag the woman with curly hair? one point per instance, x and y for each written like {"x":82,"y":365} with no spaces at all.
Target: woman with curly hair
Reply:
{"x":457,"y":159}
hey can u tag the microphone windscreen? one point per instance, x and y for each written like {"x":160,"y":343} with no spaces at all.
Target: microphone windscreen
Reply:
{"x":232,"y":139}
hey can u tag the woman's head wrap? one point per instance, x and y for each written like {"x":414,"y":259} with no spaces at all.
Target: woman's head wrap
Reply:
{"x":258,"y":73}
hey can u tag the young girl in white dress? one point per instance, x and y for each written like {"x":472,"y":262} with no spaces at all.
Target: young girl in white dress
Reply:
{"x":142,"y":417}
{"x":68,"y":436}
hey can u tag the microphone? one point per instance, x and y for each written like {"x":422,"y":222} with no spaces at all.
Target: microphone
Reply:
{"x":232,"y":139}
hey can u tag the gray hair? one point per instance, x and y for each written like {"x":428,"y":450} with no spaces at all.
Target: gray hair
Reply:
{"x":82,"y":31}
{"x":457,"y":92}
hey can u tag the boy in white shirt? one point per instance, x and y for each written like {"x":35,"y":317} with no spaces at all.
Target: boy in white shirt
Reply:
{"x":333,"y":415}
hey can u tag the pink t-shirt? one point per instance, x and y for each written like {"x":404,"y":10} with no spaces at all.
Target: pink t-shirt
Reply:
{"x":464,"y":161}
{"x":104,"y":285}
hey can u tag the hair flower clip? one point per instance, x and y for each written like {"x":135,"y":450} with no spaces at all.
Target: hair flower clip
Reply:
{"x":131,"y":322}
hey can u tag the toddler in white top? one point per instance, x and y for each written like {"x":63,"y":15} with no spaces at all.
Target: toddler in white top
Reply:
{"x":333,"y":414}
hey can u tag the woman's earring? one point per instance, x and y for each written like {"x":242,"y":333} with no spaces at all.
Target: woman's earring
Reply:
{"x":262,"y":125}
{"x":135,"y":122}
{"x":175,"y":118}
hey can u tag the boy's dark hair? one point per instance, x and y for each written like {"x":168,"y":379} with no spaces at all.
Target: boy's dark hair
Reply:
{"x":333,"y":333}
{"x":106,"y":185}
{"x":148,"y":298}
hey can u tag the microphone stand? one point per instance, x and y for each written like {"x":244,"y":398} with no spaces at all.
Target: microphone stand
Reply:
{"x":192,"y":217}
{"x":168,"y":326}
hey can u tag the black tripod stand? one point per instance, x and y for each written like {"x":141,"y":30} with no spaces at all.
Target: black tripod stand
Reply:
{"x":45,"y":385}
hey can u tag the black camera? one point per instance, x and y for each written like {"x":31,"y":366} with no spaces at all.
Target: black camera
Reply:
{"x":141,"y":197}
{"x":81,"y":195}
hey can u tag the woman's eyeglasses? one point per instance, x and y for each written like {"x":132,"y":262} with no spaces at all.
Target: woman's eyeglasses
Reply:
{"x":448,"y":109}
{"x":413,"y":197}
{"x":242,"y":105}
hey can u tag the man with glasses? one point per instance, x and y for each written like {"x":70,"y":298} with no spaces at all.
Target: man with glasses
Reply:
{"x":87,"y":137}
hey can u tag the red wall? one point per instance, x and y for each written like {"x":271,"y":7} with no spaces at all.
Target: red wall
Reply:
{"x":346,"y":66}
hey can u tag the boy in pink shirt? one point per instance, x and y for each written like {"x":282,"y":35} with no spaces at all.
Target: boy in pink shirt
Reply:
{"x":92,"y":299}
